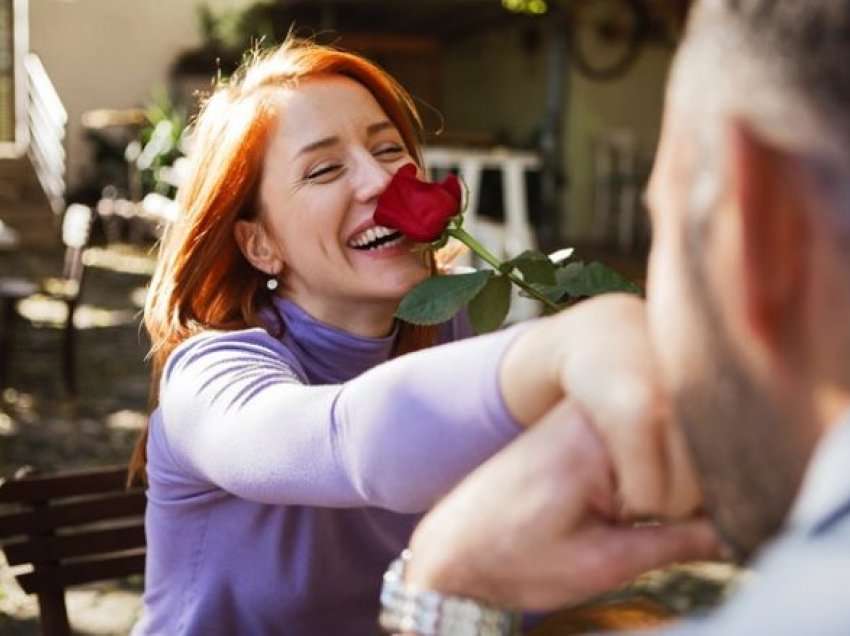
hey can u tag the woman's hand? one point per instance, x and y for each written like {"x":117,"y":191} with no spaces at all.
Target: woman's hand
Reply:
{"x":610,"y":372}
{"x":597,"y":354}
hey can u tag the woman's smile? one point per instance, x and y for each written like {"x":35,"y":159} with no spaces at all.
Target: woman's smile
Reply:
{"x":375,"y":238}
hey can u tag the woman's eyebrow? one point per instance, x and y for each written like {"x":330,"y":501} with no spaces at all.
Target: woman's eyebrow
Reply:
{"x":371,"y":131}
{"x":374,"y":129}
{"x":321,"y":143}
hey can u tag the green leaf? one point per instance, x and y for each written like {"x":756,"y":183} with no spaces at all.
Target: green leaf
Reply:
{"x":438,"y":298}
{"x":578,"y":280}
{"x":535,"y":266}
{"x":597,"y":278}
{"x":552,"y":293}
{"x":564,"y":277}
{"x":567,"y":276}
{"x":488,"y":309}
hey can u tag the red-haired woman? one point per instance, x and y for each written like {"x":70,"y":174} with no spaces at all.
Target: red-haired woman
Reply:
{"x":293,"y":447}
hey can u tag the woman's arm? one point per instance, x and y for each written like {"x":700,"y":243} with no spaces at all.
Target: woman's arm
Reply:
{"x":237,"y":414}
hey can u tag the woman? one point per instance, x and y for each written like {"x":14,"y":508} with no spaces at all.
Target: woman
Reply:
{"x":293,"y":446}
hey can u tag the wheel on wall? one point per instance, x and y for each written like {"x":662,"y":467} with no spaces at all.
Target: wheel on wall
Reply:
{"x":606,"y":36}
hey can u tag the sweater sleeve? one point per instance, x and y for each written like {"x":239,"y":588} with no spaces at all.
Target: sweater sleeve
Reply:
{"x":238,"y":414}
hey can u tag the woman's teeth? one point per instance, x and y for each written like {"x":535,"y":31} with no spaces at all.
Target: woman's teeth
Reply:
{"x":376,"y":238}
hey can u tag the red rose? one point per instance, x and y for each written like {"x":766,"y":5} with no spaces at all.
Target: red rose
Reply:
{"x":419,"y":210}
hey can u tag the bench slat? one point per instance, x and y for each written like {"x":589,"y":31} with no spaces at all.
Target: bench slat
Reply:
{"x":50,"y":518}
{"x":89,"y":482}
{"x":81,"y":573}
{"x":39,"y":550}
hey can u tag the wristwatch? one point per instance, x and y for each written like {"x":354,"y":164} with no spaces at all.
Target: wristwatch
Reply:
{"x":406,"y":609}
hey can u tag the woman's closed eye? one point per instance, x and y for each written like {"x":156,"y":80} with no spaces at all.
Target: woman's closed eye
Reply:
{"x":389,"y":151}
{"x":324,"y":172}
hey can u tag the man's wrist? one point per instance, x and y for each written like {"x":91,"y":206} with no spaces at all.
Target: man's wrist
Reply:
{"x":413,"y":609}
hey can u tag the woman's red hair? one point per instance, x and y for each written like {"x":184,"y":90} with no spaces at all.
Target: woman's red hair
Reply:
{"x":202,"y":281}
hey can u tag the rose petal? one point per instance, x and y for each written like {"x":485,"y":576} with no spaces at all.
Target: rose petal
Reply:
{"x":451,"y":184}
{"x":418,"y":209}
{"x":408,"y":170}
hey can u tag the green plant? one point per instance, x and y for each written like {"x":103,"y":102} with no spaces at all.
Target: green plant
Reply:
{"x":159,"y":142}
{"x":235,"y":30}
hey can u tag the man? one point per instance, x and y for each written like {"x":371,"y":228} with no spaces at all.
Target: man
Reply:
{"x":749,"y":315}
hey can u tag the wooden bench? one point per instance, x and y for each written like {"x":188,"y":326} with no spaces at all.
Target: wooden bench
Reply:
{"x":76,"y":230}
{"x":71,"y":528}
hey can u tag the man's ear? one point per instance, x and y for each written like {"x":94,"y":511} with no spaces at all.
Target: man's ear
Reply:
{"x":774,"y":232}
{"x":257,"y":246}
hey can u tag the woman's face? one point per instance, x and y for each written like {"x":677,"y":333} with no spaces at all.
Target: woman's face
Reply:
{"x":332,"y":153}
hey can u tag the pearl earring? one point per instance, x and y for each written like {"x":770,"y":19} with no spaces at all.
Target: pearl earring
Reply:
{"x":271,"y":283}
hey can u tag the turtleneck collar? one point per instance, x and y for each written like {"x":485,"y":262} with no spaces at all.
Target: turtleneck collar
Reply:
{"x":328,"y":354}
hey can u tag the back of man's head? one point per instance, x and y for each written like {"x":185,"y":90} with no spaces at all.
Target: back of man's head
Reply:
{"x":751,"y":196}
{"x":781,"y":65}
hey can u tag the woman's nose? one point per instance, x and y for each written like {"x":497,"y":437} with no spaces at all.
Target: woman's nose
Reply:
{"x":372,"y":178}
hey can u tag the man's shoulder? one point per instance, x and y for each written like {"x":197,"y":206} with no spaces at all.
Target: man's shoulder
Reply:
{"x":799,"y":585}
{"x":823,"y":505}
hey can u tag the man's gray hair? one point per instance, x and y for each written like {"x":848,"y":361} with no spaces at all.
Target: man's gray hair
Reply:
{"x":783,"y":66}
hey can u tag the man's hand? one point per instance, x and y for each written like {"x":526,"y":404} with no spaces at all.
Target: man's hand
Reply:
{"x":534,"y":526}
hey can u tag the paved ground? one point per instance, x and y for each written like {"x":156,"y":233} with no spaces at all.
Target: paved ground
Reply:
{"x":40,"y":427}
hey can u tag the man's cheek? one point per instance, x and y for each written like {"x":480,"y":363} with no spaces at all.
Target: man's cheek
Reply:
{"x":667,"y":312}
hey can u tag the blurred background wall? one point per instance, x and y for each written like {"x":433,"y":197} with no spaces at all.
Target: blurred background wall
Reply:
{"x":483,"y":69}
{"x":496,"y":86}
{"x":110,"y":54}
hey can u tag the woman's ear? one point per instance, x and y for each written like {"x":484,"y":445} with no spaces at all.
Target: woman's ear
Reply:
{"x":256,"y":245}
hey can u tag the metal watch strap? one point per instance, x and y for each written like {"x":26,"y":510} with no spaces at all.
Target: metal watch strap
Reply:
{"x":428,"y":613}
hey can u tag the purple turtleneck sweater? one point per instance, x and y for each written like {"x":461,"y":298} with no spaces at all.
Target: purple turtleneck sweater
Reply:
{"x":285,"y":474}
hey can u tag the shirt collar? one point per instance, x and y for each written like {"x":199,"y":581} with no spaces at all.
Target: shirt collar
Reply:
{"x":826,"y":485}
{"x":329,"y":354}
